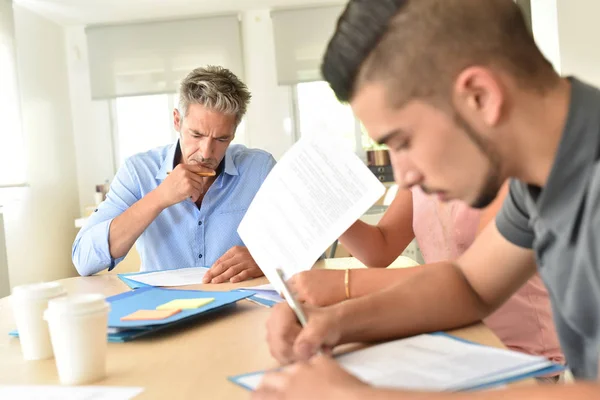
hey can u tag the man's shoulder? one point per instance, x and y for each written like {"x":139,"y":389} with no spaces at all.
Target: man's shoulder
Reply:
{"x":147,"y":162}
{"x":151,"y":156}
{"x":243,"y":155}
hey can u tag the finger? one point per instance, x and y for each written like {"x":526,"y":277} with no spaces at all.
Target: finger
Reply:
{"x":274,"y":381}
{"x":250,"y":273}
{"x":309,"y":341}
{"x":228,"y":273}
{"x":242,"y":276}
{"x":229,"y":254}
{"x":282,"y":330}
{"x":220,"y":266}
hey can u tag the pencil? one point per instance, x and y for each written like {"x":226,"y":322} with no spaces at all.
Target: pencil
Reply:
{"x":204,"y":174}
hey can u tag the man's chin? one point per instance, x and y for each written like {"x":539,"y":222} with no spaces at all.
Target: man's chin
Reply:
{"x":483,"y":201}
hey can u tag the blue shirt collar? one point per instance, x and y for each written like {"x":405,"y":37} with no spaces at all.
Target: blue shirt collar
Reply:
{"x":169,"y":160}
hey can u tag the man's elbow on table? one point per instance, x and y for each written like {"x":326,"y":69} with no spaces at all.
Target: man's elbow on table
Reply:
{"x":86,"y":260}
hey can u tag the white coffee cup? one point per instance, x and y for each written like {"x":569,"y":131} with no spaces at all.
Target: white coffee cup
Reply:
{"x":28,"y":303}
{"x":78,"y":329}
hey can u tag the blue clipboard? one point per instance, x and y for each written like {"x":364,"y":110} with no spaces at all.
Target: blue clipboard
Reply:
{"x":555,"y":368}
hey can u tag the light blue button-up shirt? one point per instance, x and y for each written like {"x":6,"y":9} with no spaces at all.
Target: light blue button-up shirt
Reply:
{"x":182,"y":235}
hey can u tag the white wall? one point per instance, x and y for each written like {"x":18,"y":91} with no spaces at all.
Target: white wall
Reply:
{"x":91,"y":121}
{"x":39,"y":221}
{"x":578,"y":32}
{"x":567,"y":32}
{"x":269,"y":121}
{"x":4,"y":278}
{"x":544,"y":21}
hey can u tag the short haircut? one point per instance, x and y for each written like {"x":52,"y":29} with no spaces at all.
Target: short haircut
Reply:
{"x":417,"y":48}
{"x":216,"y":88}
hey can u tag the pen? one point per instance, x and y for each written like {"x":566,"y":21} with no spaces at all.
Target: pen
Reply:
{"x":204,"y":174}
{"x":294,"y":304}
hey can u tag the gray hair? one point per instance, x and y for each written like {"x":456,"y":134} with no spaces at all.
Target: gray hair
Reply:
{"x":216,"y":88}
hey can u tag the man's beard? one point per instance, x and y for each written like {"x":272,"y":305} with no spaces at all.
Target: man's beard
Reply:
{"x":493,"y":181}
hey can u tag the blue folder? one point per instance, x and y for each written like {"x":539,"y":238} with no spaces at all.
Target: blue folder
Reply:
{"x":149,"y":298}
{"x":553,"y":369}
{"x":131,"y":283}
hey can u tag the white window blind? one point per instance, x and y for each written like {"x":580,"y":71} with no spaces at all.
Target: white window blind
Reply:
{"x":12,"y":157}
{"x":301,"y":37}
{"x":152,"y":58}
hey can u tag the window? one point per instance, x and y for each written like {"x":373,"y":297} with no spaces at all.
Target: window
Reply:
{"x":141,"y":123}
{"x":12,"y":154}
{"x":318,"y":112}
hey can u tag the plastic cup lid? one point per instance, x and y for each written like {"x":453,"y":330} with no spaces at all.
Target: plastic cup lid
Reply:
{"x":78,"y":304}
{"x":38,"y":291}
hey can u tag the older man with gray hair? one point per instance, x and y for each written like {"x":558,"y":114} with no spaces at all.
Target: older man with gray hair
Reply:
{"x":182,"y":203}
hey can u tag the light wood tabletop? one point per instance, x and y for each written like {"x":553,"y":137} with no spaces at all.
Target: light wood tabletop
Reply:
{"x":181,"y":363}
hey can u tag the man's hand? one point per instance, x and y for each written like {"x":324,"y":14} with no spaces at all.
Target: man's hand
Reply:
{"x":289,"y":342}
{"x":319,"y":378}
{"x":183,"y":183}
{"x":319,"y":287}
{"x":236,"y":265}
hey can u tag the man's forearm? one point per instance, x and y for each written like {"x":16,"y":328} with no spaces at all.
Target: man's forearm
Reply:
{"x":438,"y":297}
{"x":364,"y":281}
{"x":580,"y":391}
{"x":127,"y":227}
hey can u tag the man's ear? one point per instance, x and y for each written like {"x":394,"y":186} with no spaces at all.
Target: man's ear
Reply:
{"x":479,"y":96}
{"x":177,"y":120}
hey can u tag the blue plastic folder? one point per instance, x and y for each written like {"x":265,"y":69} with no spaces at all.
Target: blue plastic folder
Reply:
{"x":131,"y":283}
{"x":492,"y":383}
{"x":148,"y":298}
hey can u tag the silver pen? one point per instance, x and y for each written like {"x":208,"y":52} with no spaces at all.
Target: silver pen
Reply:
{"x":294,"y":304}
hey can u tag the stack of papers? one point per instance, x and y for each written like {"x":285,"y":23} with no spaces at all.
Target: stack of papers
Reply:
{"x":436,"y":362}
{"x":167,"y":278}
{"x":264,"y":294}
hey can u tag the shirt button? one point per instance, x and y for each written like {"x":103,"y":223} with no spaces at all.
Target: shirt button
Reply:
{"x":199,"y":255}
{"x":199,"y":223}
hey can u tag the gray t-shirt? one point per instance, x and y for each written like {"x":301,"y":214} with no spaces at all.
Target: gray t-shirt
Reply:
{"x":561,"y":223}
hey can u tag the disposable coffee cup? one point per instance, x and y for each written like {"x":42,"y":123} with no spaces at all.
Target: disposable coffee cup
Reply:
{"x":28,"y":304}
{"x":78,"y":330}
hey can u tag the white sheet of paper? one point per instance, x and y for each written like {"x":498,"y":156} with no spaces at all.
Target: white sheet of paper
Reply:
{"x":271,"y":296}
{"x":313,"y":195}
{"x":431,"y":362}
{"x":172,"y":277}
{"x":267,"y":287}
{"x":23,"y":392}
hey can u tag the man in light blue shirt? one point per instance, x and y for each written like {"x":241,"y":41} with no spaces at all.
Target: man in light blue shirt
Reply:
{"x":163,"y":200}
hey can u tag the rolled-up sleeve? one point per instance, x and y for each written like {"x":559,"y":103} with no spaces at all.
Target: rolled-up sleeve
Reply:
{"x":91,"y":252}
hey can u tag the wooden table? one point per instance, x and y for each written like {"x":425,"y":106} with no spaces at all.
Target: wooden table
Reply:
{"x":192,"y":362}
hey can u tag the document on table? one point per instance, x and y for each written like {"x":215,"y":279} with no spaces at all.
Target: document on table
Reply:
{"x":313,"y":195}
{"x":24,"y":392}
{"x":431,"y":362}
{"x":266,"y":292}
{"x":267,"y":287}
{"x":171,"y":277}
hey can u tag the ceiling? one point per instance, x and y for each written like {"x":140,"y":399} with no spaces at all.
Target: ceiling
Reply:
{"x":93,"y":12}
